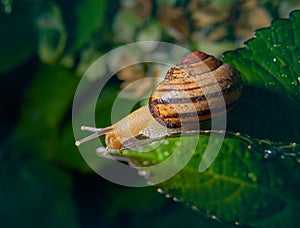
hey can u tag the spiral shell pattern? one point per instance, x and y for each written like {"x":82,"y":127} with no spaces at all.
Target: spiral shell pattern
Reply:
{"x":192,"y":91}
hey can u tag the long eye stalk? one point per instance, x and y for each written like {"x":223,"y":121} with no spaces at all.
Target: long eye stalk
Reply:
{"x":97,"y":132}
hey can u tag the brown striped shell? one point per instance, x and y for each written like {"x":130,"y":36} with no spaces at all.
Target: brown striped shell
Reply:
{"x":192,"y":89}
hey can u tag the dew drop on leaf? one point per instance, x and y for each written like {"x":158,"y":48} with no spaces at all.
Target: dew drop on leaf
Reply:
{"x":214,"y":217}
{"x":150,"y":183}
{"x":142,"y":173}
{"x":145,"y":163}
{"x":268,"y":154}
{"x":252,"y":176}
{"x":283,"y":75}
{"x":176,"y":199}
{"x":194,"y":207}
{"x":159,"y":190}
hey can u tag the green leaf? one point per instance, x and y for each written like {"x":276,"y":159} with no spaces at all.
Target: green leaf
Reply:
{"x":82,"y":19}
{"x":152,"y":31}
{"x":269,"y":65}
{"x":34,"y":193}
{"x":166,"y":2}
{"x":17,"y":36}
{"x":66,"y":26}
{"x":241,"y":186}
{"x":66,"y":153}
{"x":125,"y":26}
{"x":90,"y":22}
{"x":52,"y":33}
{"x":45,"y":120}
{"x":271,"y":61}
{"x":49,"y":97}
{"x":266,"y":115}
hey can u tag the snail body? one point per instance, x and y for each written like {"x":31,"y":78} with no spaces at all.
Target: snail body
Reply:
{"x":196,"y":89}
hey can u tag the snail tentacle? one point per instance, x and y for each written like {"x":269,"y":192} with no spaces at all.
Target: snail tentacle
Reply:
{"x":97,"y":132}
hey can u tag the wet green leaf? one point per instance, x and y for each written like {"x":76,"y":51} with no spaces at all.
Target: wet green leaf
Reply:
{"x":269,"y":65}
{"x":266,"y":115}
{"x":240,"y":185}
{"x":271,"y":61}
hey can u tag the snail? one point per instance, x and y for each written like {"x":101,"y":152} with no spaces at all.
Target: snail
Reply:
{"x":196,"y":89}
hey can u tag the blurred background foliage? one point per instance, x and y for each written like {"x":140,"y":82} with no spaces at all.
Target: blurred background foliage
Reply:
{"x":45,"y":47}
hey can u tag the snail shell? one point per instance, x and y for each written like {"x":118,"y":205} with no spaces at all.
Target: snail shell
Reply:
{"x":192,"y":90}
{"x":197,"y":88}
